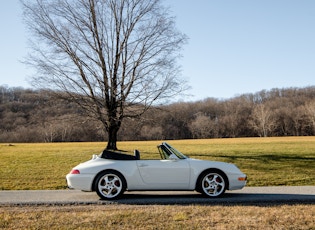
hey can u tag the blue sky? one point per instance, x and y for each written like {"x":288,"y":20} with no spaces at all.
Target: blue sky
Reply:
{"x":235,"y":46}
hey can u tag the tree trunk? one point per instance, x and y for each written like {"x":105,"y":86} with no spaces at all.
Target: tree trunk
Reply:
{"x":112,"y":138}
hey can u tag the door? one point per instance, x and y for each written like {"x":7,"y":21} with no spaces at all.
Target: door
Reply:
{"x":165,"y":174}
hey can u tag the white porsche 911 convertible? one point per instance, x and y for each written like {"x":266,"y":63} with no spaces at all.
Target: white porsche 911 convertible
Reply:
{"x":110,"y":174}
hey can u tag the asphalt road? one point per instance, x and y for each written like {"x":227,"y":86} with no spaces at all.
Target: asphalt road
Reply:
{"x":247,"y":196}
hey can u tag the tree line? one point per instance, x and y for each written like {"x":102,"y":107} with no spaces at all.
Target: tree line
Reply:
{"x":28,"y":115}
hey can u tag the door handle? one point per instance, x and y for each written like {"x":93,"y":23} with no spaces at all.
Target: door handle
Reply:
{"x":143,"y":165}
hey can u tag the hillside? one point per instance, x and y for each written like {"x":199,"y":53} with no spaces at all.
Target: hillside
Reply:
{"x":38,"y":116}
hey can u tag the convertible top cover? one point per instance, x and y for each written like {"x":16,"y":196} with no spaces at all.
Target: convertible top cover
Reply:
{"x":106,"y":154}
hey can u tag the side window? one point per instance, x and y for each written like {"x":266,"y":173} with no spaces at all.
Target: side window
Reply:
{"x":166,"y":154}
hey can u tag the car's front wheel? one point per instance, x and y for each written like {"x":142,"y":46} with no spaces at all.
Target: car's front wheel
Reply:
{"x":110,"y":185}
{"x":212,"y":183}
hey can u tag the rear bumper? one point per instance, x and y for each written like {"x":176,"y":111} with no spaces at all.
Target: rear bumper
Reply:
{"x":80,"y":181}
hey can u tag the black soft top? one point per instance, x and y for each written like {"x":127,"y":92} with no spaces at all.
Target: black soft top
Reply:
{"x":106,"y":154}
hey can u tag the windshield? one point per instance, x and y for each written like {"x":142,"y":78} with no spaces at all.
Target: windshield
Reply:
{"x":169,"y":152}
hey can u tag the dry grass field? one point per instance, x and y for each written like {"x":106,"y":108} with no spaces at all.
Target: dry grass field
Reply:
{"x":266,"y":161}
{"x":159,"y":217}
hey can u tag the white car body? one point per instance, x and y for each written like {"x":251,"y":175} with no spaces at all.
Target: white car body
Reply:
{"x":175,"y":173}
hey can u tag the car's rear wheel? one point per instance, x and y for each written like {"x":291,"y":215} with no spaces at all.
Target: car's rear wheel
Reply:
{"x":110,"y":185}
{"x":212,"y":183}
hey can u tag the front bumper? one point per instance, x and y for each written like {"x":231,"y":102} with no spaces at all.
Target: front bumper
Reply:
{"x":237,"y":181}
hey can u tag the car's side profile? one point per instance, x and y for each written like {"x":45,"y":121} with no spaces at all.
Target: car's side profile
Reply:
{"x":110,"y":174}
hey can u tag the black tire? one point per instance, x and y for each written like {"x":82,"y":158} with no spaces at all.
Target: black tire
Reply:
{"x":110,"y":185}
{"x":212,"y":183}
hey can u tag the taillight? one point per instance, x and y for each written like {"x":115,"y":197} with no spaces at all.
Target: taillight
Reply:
{"x":75,"y":171}
{"x":240,"y":178}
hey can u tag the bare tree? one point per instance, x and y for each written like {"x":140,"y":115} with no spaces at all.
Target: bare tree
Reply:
{"x":310,"y":113}
{"x":262,"y":120}
{"x":203,"y":127}
{"x":115,"y":58}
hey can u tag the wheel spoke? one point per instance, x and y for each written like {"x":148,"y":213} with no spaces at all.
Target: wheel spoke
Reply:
{"x":116,"y":181}
{"x":209,"y":181}
{"x":106,"y":180}
{"x":215,"y":178}
{"x":102,"y":187}
{"x":207,"y":184}
{"x":217,"y":189}
{"x":110,"y":192}
{"x":221,"y":183}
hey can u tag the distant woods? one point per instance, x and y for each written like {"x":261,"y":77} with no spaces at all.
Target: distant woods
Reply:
{"x":38,"y":116}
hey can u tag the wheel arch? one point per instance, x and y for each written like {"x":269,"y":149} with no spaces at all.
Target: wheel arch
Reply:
{"x":107,"y":170}
{"x":208,"y":170}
